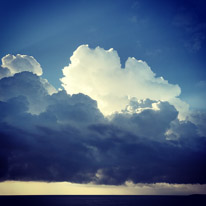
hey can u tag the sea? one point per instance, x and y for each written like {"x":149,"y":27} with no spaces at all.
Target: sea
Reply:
{"x":103,"y":200}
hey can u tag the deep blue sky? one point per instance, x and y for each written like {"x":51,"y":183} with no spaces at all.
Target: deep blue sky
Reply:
{"x":168,"y":35}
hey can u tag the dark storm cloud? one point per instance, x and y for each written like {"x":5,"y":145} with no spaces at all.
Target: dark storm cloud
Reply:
{"x":149,"y":122}
{"x":70,"y":140}
{"x":28,"y":85}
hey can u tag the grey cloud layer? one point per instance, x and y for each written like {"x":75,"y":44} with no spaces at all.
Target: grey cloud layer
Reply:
{"x":70,"y":139}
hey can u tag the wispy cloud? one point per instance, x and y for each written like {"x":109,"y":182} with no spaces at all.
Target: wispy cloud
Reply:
{"x":193,"y":28}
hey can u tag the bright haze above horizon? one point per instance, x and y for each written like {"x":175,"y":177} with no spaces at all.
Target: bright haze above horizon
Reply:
{"x":103,"y":96}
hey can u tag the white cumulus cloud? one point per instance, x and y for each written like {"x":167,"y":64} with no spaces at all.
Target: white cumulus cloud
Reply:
{"x":98,"y":73}
{"x":12,"y":64}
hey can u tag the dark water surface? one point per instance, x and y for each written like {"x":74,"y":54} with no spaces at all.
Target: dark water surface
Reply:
{"x":103,"y":200}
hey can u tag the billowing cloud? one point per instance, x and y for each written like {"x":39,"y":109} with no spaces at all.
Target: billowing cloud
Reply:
{"x":29,"y":85}
{"x":72,"y":141}
{"x":15,"y":64}
{"x":23,"y":78}
{"x":46,"y":136}
{"x":141,"y":115}
{"x":98,"y":74}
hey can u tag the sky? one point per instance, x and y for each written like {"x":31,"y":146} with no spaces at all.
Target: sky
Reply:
{"x":99,"y":96}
